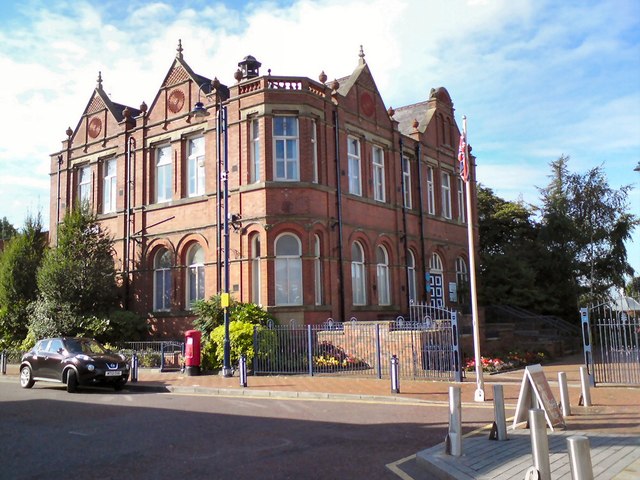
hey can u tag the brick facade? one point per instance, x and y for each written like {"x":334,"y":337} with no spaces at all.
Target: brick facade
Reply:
{"x":306,"y":222}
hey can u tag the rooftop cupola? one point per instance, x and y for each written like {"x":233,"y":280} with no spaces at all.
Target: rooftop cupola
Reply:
{"x":250,"y":67}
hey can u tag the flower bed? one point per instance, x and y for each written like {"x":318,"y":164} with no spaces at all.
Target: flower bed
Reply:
{"x":509,"y":361}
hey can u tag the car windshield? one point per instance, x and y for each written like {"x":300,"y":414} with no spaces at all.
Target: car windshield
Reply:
{"x":84,"y":345}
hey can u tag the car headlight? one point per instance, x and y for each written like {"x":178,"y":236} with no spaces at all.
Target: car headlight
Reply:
{"x":91,"y":367}
{"x":122,"y":357}
{"x":83,"y":357}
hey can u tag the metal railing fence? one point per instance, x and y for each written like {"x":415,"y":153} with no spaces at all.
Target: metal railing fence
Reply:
{"x":360,"y":348}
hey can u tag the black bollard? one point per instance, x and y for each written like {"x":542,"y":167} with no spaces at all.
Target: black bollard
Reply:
{"x":395,"y":381}
{"x":134,"y":367}
{"x":243,"y":371}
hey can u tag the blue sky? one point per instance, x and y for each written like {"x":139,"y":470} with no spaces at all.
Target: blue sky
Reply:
{"x":535,"y":78}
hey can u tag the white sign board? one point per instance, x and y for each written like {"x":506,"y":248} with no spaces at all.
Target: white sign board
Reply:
{"x":535,"y":392}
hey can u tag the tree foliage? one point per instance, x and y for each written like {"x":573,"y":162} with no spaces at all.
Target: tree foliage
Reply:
{"x":19,"y":263}
{"x":80,"y":271}
{"x":7,"y":230}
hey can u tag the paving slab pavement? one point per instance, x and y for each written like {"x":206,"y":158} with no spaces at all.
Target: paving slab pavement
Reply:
{"x":614,"y":414}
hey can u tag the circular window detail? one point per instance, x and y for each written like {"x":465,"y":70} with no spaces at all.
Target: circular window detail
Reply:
{"x":95,"y":127}
{"x":367,"y":104}
{"x":176,"y":101}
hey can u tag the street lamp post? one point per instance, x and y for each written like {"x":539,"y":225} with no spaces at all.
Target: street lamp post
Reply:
{"x":223,"y":198}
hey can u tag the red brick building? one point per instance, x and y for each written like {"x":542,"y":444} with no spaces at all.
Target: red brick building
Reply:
{"x":338,"y":207}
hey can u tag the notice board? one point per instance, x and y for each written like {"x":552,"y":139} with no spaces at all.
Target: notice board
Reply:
{"x":535,"y":392}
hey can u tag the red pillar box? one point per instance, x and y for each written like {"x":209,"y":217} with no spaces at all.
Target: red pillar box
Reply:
{"x":192,"y":352}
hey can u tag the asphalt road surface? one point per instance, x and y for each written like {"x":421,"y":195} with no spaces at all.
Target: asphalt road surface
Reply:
{"x":46,"y":433}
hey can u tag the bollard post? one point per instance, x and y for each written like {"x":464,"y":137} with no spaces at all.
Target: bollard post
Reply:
{"x":243,"y":371}
{"x":3,"y":362}
{"x":585,"y":396}
{"x":134,"y":367}
{"x":580,"y":458}
{"x":453,"y":442}
{"x":539,"y":443}
{"x":564,"y":394}
{"x":499,"y":428}
{"x":395,"y":382}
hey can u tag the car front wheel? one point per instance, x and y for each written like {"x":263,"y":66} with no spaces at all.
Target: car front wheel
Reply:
{"x":26,"y":378}
{"x":72,"y":382}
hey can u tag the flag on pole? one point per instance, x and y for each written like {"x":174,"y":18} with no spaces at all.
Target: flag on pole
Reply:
{"x":462,"y":157}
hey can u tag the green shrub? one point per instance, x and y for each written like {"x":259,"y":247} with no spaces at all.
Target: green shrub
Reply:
{"x":240,"y":340}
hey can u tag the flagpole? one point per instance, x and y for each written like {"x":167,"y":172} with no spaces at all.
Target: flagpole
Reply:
{"x":479,"y":394}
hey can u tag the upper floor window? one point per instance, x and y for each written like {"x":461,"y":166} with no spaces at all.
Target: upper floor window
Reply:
{"x":164,"y":174}
{"x":358,"y":280}
{"x":255,"y":151}
{"x":195,"y":275}
{"x":285,"y":144}
{"x":462,"y":212}
{"x":378,"y":174}
{"x":162,"y":281}
{"x":84,"y":185}
{"x":406,"y":181}
{"x":431,"y":197}
{"x":382,"y":270}
{"x":446,"y":195}
{"x":109,"y":186}
{"x":195,"y":167}
{"x":314,"y":150}
{"x":355,"y":173}
{"x":288,"y":270}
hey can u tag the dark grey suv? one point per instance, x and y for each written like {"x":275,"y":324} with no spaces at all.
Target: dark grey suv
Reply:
{"x":73,"y":362}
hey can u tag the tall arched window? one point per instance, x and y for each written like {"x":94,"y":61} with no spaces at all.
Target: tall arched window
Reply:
{"x":462,"y":280}
{"x":358,"y":280}
{"x":255,"y":270}
{"x":288,"y":270}
{"x":411,"y":276}
{"x":162,"y":281}
{"x":317,"y":269}
{"x":382,"y":273}
{"x":436,"y":281}
{"x":195,"y":275}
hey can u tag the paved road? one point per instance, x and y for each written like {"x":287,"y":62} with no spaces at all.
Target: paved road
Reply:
{"x":48,"y":433}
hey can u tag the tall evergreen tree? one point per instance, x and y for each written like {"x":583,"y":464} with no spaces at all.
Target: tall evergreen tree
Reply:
{"x":80,"y":271}
{"x":19,"y":263}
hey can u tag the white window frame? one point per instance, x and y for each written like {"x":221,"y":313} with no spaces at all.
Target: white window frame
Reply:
{"x":358,"y":275}
{"x":256,"y":282}
{"x":314,"y":150}
{"x":317,"y":270}
{"x":163,"y":174}
{"x":411,"y":277}
{"x":162,"y":275}
{"x":195,"y":167}
{"x":288,"y":274}
{"x":431,"y":195}
{"x":462,"y":206}
{"x":379,"y":186}
{"x":84,"y":185}
{"x":445,"y":190}
{"x":382,"y":275}
{"x":255,"y":150}
{"x":406,"y":179}
{"x":289,"y":142}
{"x":195,"y":275}
{"x":109,"y":185}
{"x":354,"y":156}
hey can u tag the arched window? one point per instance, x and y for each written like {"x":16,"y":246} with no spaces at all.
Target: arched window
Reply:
{"x":358,"y":280}
{"x":255,"y":270}
{"x":288,"y":270}
{"x":317,"y":269}
{"x":411,"y":276}
{"x":462,"y":280}
{"x":162,"y":281}
{"x":382,"y":273}
{"x":195,"y":275}
{"x":436,"y":281}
